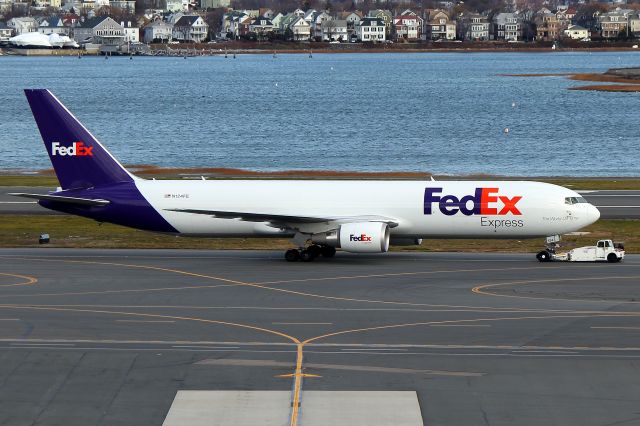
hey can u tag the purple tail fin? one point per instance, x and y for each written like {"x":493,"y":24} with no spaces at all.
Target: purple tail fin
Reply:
{"x":79,"y":160}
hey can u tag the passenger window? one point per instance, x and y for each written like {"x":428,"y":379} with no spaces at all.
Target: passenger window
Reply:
{"x":600,"y":243}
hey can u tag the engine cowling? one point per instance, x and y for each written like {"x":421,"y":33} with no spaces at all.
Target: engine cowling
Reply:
{"x":364,"y":237}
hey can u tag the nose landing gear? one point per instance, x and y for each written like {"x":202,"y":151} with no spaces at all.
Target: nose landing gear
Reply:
{"x":308,"y":254}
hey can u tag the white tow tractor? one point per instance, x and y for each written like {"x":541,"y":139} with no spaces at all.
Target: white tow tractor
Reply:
{"x":603,"y":251}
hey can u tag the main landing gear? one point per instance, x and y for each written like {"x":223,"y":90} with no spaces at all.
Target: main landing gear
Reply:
{"x":310,"y":253}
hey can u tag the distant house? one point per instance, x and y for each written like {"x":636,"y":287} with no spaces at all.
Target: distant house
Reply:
{"x":177,"y":6}
{"x":548,"y":27}
{"x":158,"y":31}
{"x":611,"y":24}
{"x":53,"y":25}
{"x":23,"y":25}
{"x":262,"y":26}
{"x":43,"y":4}
{"x":214,"y":4}
{"x":300,"y":29}
{"x":334,"y":30}
{"x":318,"y":21}
{"x":407,"y":26}
{"x":634,"y":25}
{"x":5,"y":33}
{"x":387,"y":18}
{"x":371,"y":29}
{"x":507,"y":27}
{"x":439,"y":26}
{"x":100,"y":30}
{"x":128,"y":5}
{"x":131,"y":31}
{"x":190,"y":28}
{"x":576,"y":32}
{"x":473,"y":26}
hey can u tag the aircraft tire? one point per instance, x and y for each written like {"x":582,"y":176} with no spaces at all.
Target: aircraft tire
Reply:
{"x":314,"y":250}
{"x":292,"y":255}
{"x":305,"y":256}
{"x":544,"y":256}
{"x":328,"y":251}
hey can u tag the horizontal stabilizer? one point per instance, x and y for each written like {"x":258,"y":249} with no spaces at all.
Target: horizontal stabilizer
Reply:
{"x":278,"y":218}
{"x":63,"y":199}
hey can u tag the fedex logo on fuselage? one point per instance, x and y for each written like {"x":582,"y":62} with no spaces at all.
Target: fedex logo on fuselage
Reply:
{"x":485,"y":201}
{"x":77,"y":149}
{"x":361,"y":237}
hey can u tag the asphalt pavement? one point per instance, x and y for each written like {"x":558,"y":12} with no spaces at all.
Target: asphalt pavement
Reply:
{"x":110,"y":336}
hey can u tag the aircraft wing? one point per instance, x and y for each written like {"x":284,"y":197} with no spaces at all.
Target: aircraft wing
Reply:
{"x":286,"y":219}
{"x":63,"y":199}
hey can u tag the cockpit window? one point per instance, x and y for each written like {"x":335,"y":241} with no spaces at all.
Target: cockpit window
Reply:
{"x":574,"y":200}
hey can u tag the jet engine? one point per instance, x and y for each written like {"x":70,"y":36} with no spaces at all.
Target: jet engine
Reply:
{"x":357,"y":237}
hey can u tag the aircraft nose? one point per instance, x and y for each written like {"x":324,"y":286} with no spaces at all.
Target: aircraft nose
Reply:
{"x":594,"y":213}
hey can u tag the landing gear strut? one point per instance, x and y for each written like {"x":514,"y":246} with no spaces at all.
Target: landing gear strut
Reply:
{"x":310,"y":253}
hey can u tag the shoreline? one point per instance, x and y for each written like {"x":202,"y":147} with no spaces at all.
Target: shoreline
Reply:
{"x":239,"y":48}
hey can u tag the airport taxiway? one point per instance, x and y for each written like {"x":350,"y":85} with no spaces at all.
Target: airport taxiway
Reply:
{"x":110,"y":336}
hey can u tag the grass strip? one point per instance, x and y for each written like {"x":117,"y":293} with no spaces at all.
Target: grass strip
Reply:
{"x":77,"y":232}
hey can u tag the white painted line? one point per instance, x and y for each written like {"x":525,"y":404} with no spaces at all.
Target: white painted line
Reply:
{"x":147,"y":321}
{"x":42,"y":344}
{"x":205,"y":347}
{"x":9,"y":319}
{"x":303,"y":323}
{"x":374,"y":349}
{"x":618,"y":328}
{"x":18,"y":202}
{"x":460,"y":325}
{"x":618,"y":207}
{"x":543,"y":352}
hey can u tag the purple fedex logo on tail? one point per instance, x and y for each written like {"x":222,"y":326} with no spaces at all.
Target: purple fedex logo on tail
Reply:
{"x":77,"y":149}
{"x":485,"y":201}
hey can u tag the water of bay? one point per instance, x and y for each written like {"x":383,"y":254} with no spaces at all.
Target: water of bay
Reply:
{"x":435,"y":112}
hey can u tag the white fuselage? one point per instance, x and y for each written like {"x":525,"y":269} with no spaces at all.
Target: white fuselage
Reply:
{"x":423,"y":209}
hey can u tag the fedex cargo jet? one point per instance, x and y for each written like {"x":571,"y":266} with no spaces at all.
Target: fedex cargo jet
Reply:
{"x":319,"y":215}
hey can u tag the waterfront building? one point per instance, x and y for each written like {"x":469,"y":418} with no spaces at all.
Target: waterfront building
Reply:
{"x":319,"y":18}
{"x":507,"y":27}
{"x":53,"y":25}
{"x":101,"y":30}
{"x":300,"y":29}
{"x":131,"y":32}
{"x":386,"y":16}
{"x":334,"y":29}
{"x":548,"y":28}
{"x":613,"y":24}
{"x":262,"y":27}
{"x":158,"y":31}
{"x":576,"y":32}
{"x":407,"y":26}
{"x":473,"y":26}
{"x":438,"y":26}
{"x":371,"y":30}
{"x":23,"y":25}
{"x":634,"y":25}
{"x":190,"y":28}
{"x":5,"y":33}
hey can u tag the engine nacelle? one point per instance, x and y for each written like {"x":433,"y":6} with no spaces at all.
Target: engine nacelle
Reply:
{"x":364,"y":237}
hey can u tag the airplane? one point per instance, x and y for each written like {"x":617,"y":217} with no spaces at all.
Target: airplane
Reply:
{"x":320,"y":216}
